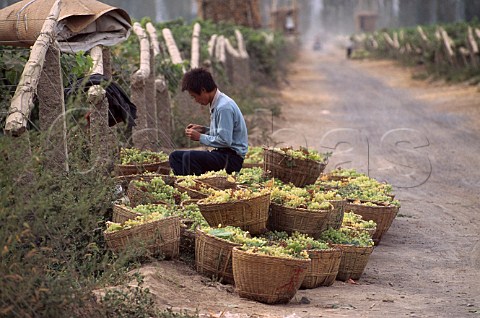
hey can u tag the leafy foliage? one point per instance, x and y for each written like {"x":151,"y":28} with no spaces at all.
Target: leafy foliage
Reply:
{"x":415,"y":51}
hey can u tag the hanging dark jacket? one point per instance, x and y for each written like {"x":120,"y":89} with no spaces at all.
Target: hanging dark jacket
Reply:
{"x":120,"y":108}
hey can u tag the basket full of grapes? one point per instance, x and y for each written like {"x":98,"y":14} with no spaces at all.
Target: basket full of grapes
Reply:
{"x":268,"y":274}
{"x":356,"y":246}
{"x":242,"y":208}
{"x":294,"y":209}
{"x":155,"y":191}
{"x":253,"y":158}
{"x":157,"y":232}
{"x":300,"y":167}
{"x":136,"y":161}
{"x":213,"y":252}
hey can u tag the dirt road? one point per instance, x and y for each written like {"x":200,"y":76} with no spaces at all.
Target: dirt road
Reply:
{"x":421,"y":137}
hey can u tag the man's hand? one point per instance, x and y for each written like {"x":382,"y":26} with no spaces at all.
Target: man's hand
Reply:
{"x":196,"y":127}
{"x":192,"y":133}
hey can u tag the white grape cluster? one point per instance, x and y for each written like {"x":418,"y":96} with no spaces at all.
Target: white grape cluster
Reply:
{"x":137,"y":156}
{"x":294,"y":197}
{"x":232,"y":195}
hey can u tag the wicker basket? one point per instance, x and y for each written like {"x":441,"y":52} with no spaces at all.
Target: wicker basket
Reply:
{"x":193,"y":194}
{"x":219,"y":182}
{"x":336,"y":217}
{"x":122,"y":213}
{"x":252,"y":165}
{"x":162,"y":236}
{"x":369,"y":231}
{"x":157,"y":167}
{"x":331,"y":177}
{"x":187,"y":239}
{"x":323,"y":269}
{"x":300,"y":172}
{"x":309,"y":222}
{"x":125,"y":180}
{"x":213,"y":256}
{"x":249,"y":214}
{"x":383,"y":216}
{"x":138,"y":196}
{"x":267,"y":279}
{"x":353,"y":262}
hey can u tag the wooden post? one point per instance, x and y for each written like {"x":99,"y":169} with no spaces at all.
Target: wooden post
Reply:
{"x":151,"y":103}
{"x":162,"y":101}
{"x":164,"y":115}
{"x":172,"y":47}
{"x":211,"y":46}
{"x":195,"y":61}
{"x":96,"y":54}
{"x":152,"y":33}
{"x":237,"y":65}
{"x":141,"y":134}
{"x":241,"y":44}
{"x":472,"y":47}
{"x":422,"y":35}
{"x":22,"y":102}
{"x":220,"y":50}
{"x":447,"y":44}
{"x":464,"y":53}
{"x":52,"y":112}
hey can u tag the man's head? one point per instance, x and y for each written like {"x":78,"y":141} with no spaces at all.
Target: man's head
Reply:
{"x":200,"y":85}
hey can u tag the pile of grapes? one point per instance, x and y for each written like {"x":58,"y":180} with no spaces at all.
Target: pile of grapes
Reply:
{"x":232,"y":195}
{"x":303,"y":153}
{"x":160,"y":190}
{"x":278,"y":244}
{"x":295,"y":197}
{"x":130,"y":156}
{"x":254,"y":155}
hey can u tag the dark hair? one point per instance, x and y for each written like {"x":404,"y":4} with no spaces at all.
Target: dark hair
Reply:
{"x":196,"y":79}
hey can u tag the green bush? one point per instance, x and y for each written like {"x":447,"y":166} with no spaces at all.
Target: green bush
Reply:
{"x":431,"y":56}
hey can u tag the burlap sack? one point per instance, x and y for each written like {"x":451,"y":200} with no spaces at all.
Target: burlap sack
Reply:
{"x":82,"y":24}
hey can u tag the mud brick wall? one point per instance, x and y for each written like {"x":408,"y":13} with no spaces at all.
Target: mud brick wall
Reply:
{"x":241,"y":12}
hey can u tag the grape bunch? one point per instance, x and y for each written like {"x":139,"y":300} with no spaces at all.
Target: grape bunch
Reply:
{"x":254,"y":155}
{"x":303,"y":153}
{"x":160,"y":190}
{"x":232,"y":195}
{"x":130,"y":156}
{"x":347,"y":236}
{"x":295,"y":197}
{"x":139,"y":220}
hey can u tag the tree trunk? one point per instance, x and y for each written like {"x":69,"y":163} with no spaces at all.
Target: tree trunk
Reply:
{"x":139,"y":81}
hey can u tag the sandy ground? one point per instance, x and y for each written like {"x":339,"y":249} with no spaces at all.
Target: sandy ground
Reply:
{"x":421,"y":137}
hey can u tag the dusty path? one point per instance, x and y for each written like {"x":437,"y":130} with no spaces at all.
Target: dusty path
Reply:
{"x":424,"y":139}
